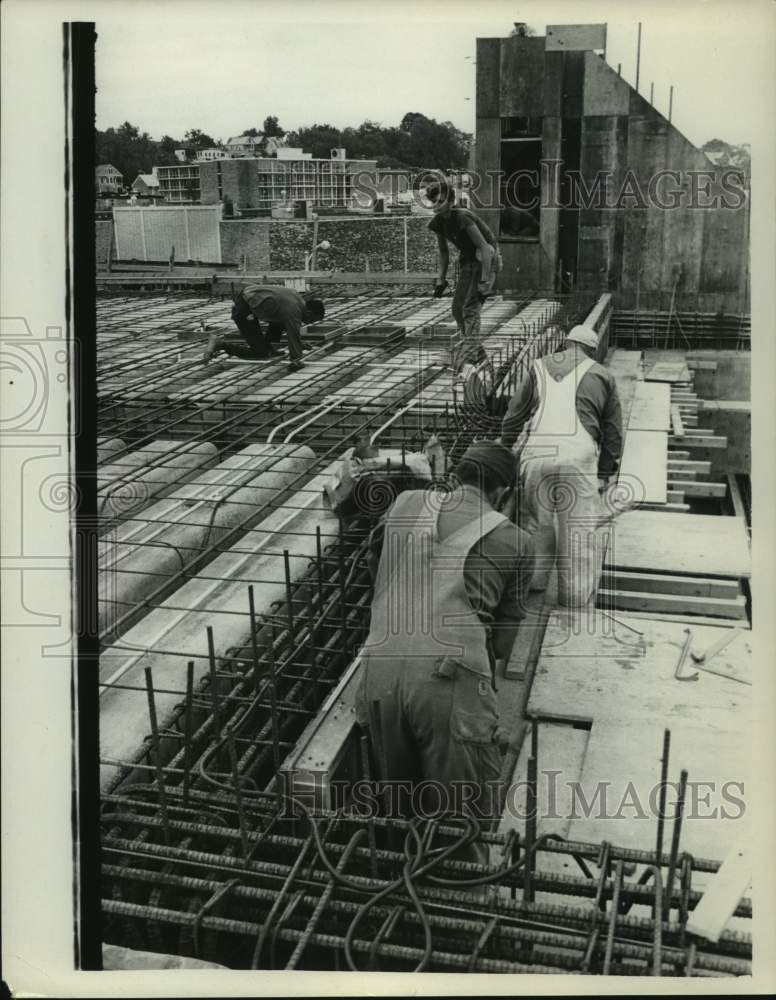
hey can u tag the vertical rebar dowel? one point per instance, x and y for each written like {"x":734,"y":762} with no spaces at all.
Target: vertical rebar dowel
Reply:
{"x":341,"y":576}
{"x":652,"y":93}
{"x":254,"y":640}
{"x":289,"y":602}
{"x":367,"y":772}
{"x":273,"y":703}
{"x":661,"y":809}
{"x":157,"y":754}
{"x":657,"y":941}
{"x":638,"y":57}
{"x":535,"y":738}
{"x":211,"y":655}
{"x":319,"y":565}
{"x":188,"y":727}
{"x":670,"y":102}
{"x":676,"y":834}
{"x":618,"y":874}
{"x":530,"y":832}
{"x":237,"y":792}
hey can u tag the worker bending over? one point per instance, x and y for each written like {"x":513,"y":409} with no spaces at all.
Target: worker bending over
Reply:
{"x":282,"y":309}
{"x":448,"y":596}
{"x":567,"y":415}
{"x":479,"y":262}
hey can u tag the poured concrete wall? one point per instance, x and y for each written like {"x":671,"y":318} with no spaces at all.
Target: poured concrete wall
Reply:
{"x":635,"y":247}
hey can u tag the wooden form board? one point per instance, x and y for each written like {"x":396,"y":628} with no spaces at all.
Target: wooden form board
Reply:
{"x":643,"y":469}
{"x":561,"y":756}
{"x":668,"y":371}
{"x":699,"y":544}
{"x":625,"y":366}
{"x":651,"y":407}
{"x":597,"y":668}
{"x":625,"y":765}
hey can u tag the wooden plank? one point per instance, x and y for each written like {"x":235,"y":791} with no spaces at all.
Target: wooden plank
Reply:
{"x":668,"y":508}
{"x":608,"y":670}
{"x":650,"y":410}
{"x":697,"y":441}
{"x":736,"y":498}
{"x":701,"y":544}
{"x":676,"y":420}
{"x":639,"y":600}
{"x":696,"y":620}
{"x":561,"y":749}
{"x":722,"y":895}
{"x":623,"y":764}
{"x":701,"y":489}
{"x":643,"y":465}
{"x":668,"y":371}
{"x":684,"y":465}
{"x":660,"y":583}
{"x":674,"y":496}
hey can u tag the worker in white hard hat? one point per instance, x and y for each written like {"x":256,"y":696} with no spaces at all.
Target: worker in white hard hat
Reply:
{"x":566,"y":419}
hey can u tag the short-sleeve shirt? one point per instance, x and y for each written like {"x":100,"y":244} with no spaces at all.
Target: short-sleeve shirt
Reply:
{"x":453,"y":227}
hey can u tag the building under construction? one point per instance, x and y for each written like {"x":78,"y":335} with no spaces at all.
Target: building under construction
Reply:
{"x":234,"y":598}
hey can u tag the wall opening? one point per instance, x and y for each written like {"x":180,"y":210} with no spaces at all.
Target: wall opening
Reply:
{"x":520,"y":188}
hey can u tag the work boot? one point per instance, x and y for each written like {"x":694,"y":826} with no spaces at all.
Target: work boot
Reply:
{"x":212,"y":348}
{"x":294,"y":366}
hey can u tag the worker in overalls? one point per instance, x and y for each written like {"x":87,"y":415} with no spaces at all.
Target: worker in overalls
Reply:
{"x":448,"y":596}
{"x":567,"y":420}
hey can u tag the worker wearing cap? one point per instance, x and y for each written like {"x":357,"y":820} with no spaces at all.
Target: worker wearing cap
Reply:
{"x":282,"y":309}
{"x":567,"y":415}
{"x":448,"y":596}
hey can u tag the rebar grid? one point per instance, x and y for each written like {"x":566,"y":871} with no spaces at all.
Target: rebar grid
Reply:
{"x":203,"y":853}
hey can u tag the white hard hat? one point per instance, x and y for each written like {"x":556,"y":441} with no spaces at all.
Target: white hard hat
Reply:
{"x":583,"y":335}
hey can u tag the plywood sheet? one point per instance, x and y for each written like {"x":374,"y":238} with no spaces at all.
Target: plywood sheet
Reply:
{"x":623,"y":765}
{"x":668,"y":371}
{"x":651,"y":408}
{"x":598,"y":668}
{"x":643,"y":469}
{"x":660,"y":542}
{"x":561,"y":757}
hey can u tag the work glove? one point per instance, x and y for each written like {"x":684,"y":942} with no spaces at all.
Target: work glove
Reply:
{"x":439,"y":288}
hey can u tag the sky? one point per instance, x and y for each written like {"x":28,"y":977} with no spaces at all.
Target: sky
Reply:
{"x":180,"y":64}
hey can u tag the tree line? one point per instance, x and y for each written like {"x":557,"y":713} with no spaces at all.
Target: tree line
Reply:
{"x":417,"y":142}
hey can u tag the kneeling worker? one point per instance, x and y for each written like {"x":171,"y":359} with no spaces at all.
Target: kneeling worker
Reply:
{"x":282,"y":309}
{"x":448,"y":597}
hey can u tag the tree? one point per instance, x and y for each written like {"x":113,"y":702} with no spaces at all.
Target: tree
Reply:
{"x":316,"y":139}
{"x":198,"y":139}
{"x":272,"y":127}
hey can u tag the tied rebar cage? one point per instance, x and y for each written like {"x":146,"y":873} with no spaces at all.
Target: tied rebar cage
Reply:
{"x":233,"y":607}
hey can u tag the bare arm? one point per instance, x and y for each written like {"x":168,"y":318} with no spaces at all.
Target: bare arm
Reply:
{"x":444,"y":258}
{"x":484,"y":248}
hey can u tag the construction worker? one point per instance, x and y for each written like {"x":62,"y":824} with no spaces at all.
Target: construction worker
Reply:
{"x":450,"y":580}
{"x":282,"y":309}
{"x":478,"y":263}
{"x":566,"y":418}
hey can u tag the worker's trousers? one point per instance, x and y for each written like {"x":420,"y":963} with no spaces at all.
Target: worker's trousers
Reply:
{"x":561,"y":508}
{"x":467,"y":309}
{"x":253,"y":344}
{"x":432,"y":726}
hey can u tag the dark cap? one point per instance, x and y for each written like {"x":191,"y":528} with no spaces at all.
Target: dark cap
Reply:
{"x":497,"y":459}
